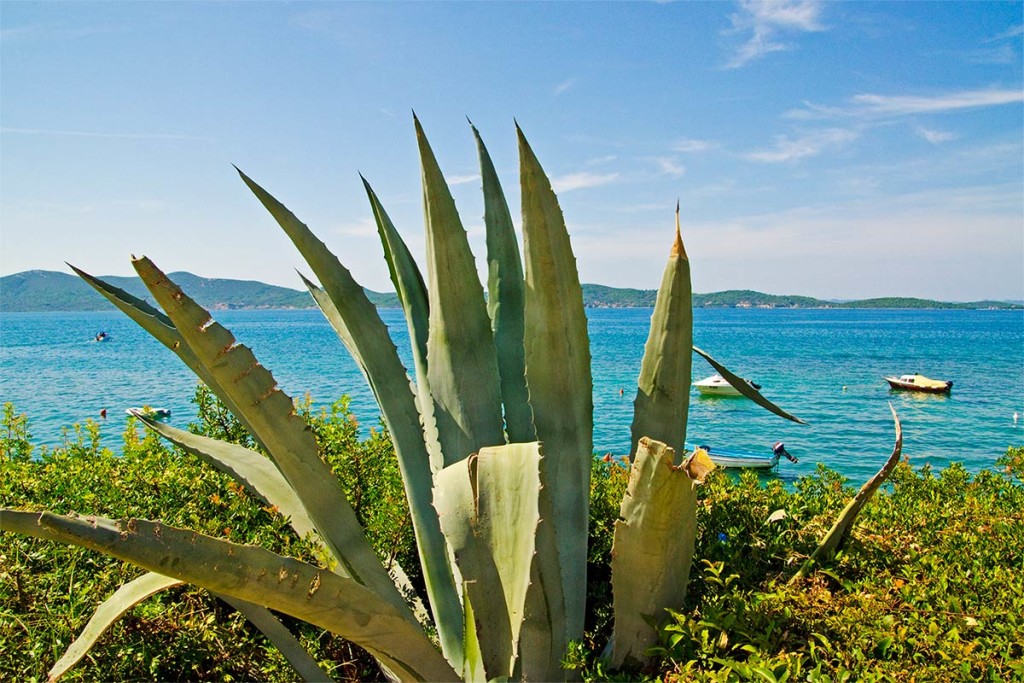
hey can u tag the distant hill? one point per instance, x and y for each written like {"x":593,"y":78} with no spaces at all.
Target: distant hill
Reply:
{"x":44,"y":290}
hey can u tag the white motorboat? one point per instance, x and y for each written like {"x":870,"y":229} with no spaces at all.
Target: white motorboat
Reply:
{"x":716,"y":385}
{"x":920,"y":383}
{"x":149,"y":413}
{"x":724,"y":457}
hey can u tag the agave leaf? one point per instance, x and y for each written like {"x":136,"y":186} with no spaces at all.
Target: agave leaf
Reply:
{"x":146,"y":316}
{"x":358,"y":324}
{"x":558,"y":374}
{"x":110,"y":610}
{"x":405,"y":275}
{"x":333,"y":602}
{"x":414,"y":464}
{"x":543,"y":640}
{"x":744,"y":388}
{"x":653,"y":546}
{"x":412,"y":292}
{"x":253,"y":471}
{"x":489,"y":510}
{"x":278,"y":634}
{"x":837,"y":535}
{"x":134,"y":592}
{"x":462,"y":367}
{"x":663,"y":392}
{"x":505,"y":299}
{"x":366,"y":337}
{"x":286,"y":436}
{"x":162,"y":329}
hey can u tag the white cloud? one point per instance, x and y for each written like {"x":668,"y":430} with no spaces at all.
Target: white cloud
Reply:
{"x":690,"y":145}
{"x":1011,"y":32}
{"x":564,"y":86}
{"x":462,"y":179}
{"x":967,"y":246}
{"x":579,"y":181}
{"x":1003,"y":54}
{"x":911,"y":104}
{"x":767,"y":20}
{"x":670,"y":167}
{"x":934,"y":136}
{"x":810,"y":144}
{"x":871,"y":106}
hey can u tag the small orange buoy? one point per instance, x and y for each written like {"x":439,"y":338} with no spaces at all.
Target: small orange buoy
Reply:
{"x":103,"y":413}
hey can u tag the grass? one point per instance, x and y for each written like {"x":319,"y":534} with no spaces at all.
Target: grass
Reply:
{"x":929,"y":588}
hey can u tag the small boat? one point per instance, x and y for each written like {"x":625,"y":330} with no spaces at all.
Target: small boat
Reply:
{"x":716,"y":385}
{"x":919,"y":383}
{"x":102,"y":337}
{"x":724,"y":457}
{"x":149,"y":413}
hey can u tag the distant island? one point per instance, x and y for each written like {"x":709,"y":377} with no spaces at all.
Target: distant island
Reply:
{"x":44,"y":290}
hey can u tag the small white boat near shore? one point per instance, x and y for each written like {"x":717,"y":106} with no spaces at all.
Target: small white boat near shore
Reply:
{"x":716,"y":385}
{"x":149,"y":413}
{"x":728,"y":458}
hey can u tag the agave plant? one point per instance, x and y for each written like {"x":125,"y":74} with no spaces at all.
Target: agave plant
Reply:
{"x":493,"y":437}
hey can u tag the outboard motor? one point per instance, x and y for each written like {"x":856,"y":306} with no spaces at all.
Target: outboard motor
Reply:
{"x":780,"y":449}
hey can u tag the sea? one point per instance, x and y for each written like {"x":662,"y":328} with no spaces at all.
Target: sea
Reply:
{"x":822,"y":365}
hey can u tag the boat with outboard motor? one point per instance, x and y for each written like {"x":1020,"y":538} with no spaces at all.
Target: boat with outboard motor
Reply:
{"x":149,"y":413}
{"x":728,"y":458}
{"x":716,"y":385}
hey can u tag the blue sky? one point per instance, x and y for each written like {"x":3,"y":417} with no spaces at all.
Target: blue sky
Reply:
{"x":838,"y":150}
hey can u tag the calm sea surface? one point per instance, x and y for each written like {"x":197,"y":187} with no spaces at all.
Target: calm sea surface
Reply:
{"x":825,"y":366}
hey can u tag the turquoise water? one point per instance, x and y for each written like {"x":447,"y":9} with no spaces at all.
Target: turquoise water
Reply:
{"x":825,"y":366}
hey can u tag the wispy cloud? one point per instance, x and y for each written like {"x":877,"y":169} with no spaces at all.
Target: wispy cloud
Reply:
{"x":934,"y":136}
{"x":692,"y":146}
{"x":808,"y":145}
{"x":874,"y":106}
{"x":53,"y":31}
{"x":564,"y":86}
{"x":462,"y":179}
{"x":1002,"y":54}
{"x":1011,"y":32}
{"x":98,"y":134}
{"x":579,"y":181}
{"x":909,"y":104}
{"x":670,"y":167}
{"x":767,"y":21}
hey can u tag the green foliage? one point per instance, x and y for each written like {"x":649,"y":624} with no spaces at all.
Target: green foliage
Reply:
{"x":1012,"y":462}
{"x":217,"y":422}
{"x":372,"y":481}
{"x":929,"y":587}
{"x":608,"y":481}
{"x":48,"y":591}
{"x":15,"y":439}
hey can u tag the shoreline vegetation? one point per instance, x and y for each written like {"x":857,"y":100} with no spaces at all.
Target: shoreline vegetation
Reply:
{"x":42,"y":290}
{"x":926,"y":589}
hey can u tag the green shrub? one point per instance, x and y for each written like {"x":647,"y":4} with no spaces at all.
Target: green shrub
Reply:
{"x":930,"y":586}
{"x":49,"y":591}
